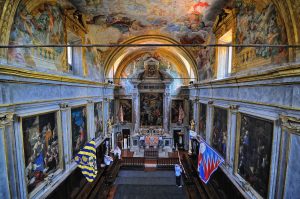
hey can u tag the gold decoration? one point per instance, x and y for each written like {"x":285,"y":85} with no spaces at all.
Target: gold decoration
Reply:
{"x":6,"y":119}
{"x":291,"y":123}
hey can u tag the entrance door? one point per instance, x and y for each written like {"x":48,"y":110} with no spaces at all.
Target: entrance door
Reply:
{"x":126,"y":138}
{"x":178,"y":139}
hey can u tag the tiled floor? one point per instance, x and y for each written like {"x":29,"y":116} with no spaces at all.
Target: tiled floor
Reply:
{"x":147,"y":185}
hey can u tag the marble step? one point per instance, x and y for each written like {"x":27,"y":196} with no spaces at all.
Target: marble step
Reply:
{"x":146,"y":181}
{"x":142,"y":174}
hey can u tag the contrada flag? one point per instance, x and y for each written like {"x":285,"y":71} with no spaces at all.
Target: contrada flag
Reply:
{"x":208,"y":161}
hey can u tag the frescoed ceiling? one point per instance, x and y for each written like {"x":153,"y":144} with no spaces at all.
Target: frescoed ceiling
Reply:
{"x":119,"y":21}
{"x":113,"y":21}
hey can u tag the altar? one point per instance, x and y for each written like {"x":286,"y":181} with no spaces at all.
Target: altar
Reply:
{"x":152,"y":137}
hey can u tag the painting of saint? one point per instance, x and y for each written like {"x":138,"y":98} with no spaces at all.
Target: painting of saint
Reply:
{"x":151,"y":109}
{"x":126,"y":109}
{"x":202,"y":120}
{"x":255,"y":147}
{"x":79,"y":128}
{"x":41,"y":150}
{"x":177,"y":111}
{"x":98,"y":119}
{"x":220,"y":131}
{"x":42,"y":25}
{"x":261,"y":24}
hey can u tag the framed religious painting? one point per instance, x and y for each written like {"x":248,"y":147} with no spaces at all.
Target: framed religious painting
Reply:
{"x":79,"y":128}
{"x":98,"y":119}
{"x":177,"y":112}
{"x":202,"y":120}
{"x":125,"y":111}
{"x":254,"y":144}
{"x":41,"y":149}
{"x":220,"y":131}
{"x":151,"y":109}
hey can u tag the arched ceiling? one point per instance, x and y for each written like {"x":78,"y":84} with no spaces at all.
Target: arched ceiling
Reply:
{"x":180,"y":57}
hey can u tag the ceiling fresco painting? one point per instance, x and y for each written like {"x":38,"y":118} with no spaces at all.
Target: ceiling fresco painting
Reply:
{"x":187,"y":21}
{"x":259,"y":23}
{"x":42,"y":25}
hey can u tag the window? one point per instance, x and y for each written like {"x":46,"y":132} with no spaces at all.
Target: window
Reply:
{"x":70,"y":57}
{"x":224,"y":56}
{"x":74,"y":54}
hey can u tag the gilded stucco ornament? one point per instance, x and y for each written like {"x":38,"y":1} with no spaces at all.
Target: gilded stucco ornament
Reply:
{"x":6,"y":118}
{"x":291,"y":123}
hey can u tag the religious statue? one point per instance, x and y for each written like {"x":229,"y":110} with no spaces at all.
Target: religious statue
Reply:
{"x":121,"y":114}
{"x":180,"y":115}
{"x":109,"y":126}
{"x":192,"y":125}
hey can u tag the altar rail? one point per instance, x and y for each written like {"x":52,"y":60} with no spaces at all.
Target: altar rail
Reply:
{"x":133,"y":162}
{"x":167,"y":162}
{"x":151,"y":153}
{"x":140,"y":162}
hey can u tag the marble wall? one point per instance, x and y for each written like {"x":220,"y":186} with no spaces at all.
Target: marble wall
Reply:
{"x":271,"y":99}
{"x":34,"y":98}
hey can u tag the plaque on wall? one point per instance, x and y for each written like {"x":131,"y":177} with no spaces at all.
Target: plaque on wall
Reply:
{"x":177,"y":111}
{"x":202,"y":120}
{"x":254,"y":154}
{"x":125,"y":111}
{"x":41,"y":148}
{"x":219,"y":133}
{"x":98,"y":119}
{"x":79,"y":129}
{"x":151,"y":109}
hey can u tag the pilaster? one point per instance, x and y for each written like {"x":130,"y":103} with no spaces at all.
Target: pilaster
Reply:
{"x":8,"y":184}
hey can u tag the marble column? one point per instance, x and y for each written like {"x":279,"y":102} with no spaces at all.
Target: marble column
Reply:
{"x":8,"y":175}
{"x":231,"y":140}
{"x":288,"y":169}
{"x":90,"y":120}
{"x":209,"y":121}
{"x":196,"y":114}
{"x":136,"y":111}
{"x":166,"y":116}
{"x":105,"y":115}
{"x":65,"y":122}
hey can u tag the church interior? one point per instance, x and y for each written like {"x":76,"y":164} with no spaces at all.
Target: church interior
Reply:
{"x":104,"y":98}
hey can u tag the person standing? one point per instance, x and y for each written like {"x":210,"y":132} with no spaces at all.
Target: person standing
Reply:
{"x":178,"y":171}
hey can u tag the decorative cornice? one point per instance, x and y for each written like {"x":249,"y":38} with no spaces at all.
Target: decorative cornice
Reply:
{"x":9,"y":70}
{"x":6,"y":119}
{"x":290,"y":123}
{"x":287,"y":70}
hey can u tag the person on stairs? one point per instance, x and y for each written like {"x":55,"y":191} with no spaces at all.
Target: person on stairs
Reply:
{"x":178,"y":171}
